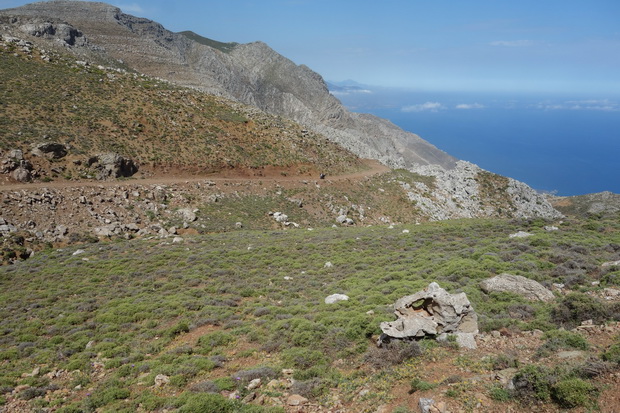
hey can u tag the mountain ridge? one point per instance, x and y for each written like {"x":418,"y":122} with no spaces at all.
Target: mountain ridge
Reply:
{"x":252,"y":73}
{"x":256,"y":75}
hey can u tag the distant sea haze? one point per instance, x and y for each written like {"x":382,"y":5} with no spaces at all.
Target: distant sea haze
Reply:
{"x":568,"y":145}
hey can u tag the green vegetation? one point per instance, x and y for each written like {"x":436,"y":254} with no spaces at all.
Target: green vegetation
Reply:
{"x":138,"y":309}
{"x":94,"y":109}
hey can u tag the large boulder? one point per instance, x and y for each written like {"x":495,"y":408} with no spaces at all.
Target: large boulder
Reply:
{"x":113,"y":165}
{"x":431,"y":312}
{"x":517,"y":284}
{"x":50,"y":150}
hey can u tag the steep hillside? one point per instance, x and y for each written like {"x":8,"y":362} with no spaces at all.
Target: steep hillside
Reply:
{"x":49,"y":98}
{"x":251,"y":73}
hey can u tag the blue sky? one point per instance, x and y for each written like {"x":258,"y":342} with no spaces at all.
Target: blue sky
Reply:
{"x":570,"y":46}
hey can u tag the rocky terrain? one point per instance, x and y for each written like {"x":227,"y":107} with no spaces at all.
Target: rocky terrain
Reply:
{"x":603,"y":203}
{"x":250,"y":73}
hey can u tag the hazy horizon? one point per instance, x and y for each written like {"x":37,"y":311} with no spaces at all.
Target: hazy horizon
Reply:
{"x":480,"y":45}
{"x":559,"y":143}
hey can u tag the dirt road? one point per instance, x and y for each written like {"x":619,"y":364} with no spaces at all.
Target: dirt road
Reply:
{"x":232,"y":176}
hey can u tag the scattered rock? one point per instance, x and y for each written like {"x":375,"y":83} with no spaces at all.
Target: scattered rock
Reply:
{"x":161,"y":380}
{"x":280,"y":217}
{"x":611,"y":293}
{"x":254,"y":384}
{"x":187,"y":214}
{"x":529,"y":289}
{"x":425,"y":405}
{"x":520,"y":234}
{"x":611,"y":264}
{"x":296,"y":400}
{"x":334,"y":298}
{"x":328,"y":265}
{"x":551,"y":228}
{"x":431,"y":311}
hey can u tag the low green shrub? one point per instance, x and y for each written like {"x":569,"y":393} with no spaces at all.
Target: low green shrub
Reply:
{"x":561,"y":339}
{"x":573,"y":392}
{"x":578,"y":307}
{"x":418,"y":384}
{"x":392,"y":353}
{"x":213,"y":340}
{"x":612,"y":354}
{"x":500,"y":394}
{"x":534,"y":383}
{"x":504,"y":361}
{"x":303,"y":358}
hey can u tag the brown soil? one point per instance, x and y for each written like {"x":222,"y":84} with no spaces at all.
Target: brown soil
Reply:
{"x":286,"y":177}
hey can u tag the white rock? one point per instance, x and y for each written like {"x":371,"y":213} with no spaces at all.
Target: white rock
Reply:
{"x":254,"y":384}
{"x":520,"y":234}
{"x":161,"y":380}
{"x":334,"y":298}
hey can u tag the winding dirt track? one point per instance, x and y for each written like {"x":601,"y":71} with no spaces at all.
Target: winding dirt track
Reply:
{"x":374,"y":168}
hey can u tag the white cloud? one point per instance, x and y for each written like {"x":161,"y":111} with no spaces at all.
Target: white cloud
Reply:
{"x":348,"y":92}
{"x":512,"y":43}
{"x":428,"y":106}
{"x":604,"y":105}
{"x":469,"y":106}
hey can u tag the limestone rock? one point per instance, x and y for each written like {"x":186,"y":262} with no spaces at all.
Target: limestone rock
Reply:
{"x":161,"y":380}
{"x":611,"y":264}
{"x":425,"y":405}
{"x":187,"y":214}
{"x":432,"y":311}
{"x":517,"y":284}
{"x":113,"y":165}
{"x":334,"y":298}
{"x":520,"y":234}
{"x":21,"y":174}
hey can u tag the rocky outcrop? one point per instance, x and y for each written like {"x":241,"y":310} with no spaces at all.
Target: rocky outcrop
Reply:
{"x":112,"y":165}
{"x":50,"y":150}
{"x":605,"y":203}
{"x":431,"y":312}
{"x":468,"y":191}
{"x":516,"y":284}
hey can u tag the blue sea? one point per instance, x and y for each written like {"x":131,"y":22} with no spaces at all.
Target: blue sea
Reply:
{"x":563,"y":144}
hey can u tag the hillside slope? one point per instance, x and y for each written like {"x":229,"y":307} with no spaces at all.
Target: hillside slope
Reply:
{"x":50,"y":99}
{"x":251,"y":73}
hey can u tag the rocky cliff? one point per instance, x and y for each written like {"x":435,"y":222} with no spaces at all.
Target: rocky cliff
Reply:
{"x":251,"y":73}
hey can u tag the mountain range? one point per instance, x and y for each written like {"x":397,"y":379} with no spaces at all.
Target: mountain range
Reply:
{"x":255,"y":75}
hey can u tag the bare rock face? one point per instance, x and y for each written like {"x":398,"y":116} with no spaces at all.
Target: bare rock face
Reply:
{"x":113,"y":165}
{"x":517,"y":284}
{"x":431,"y":312}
